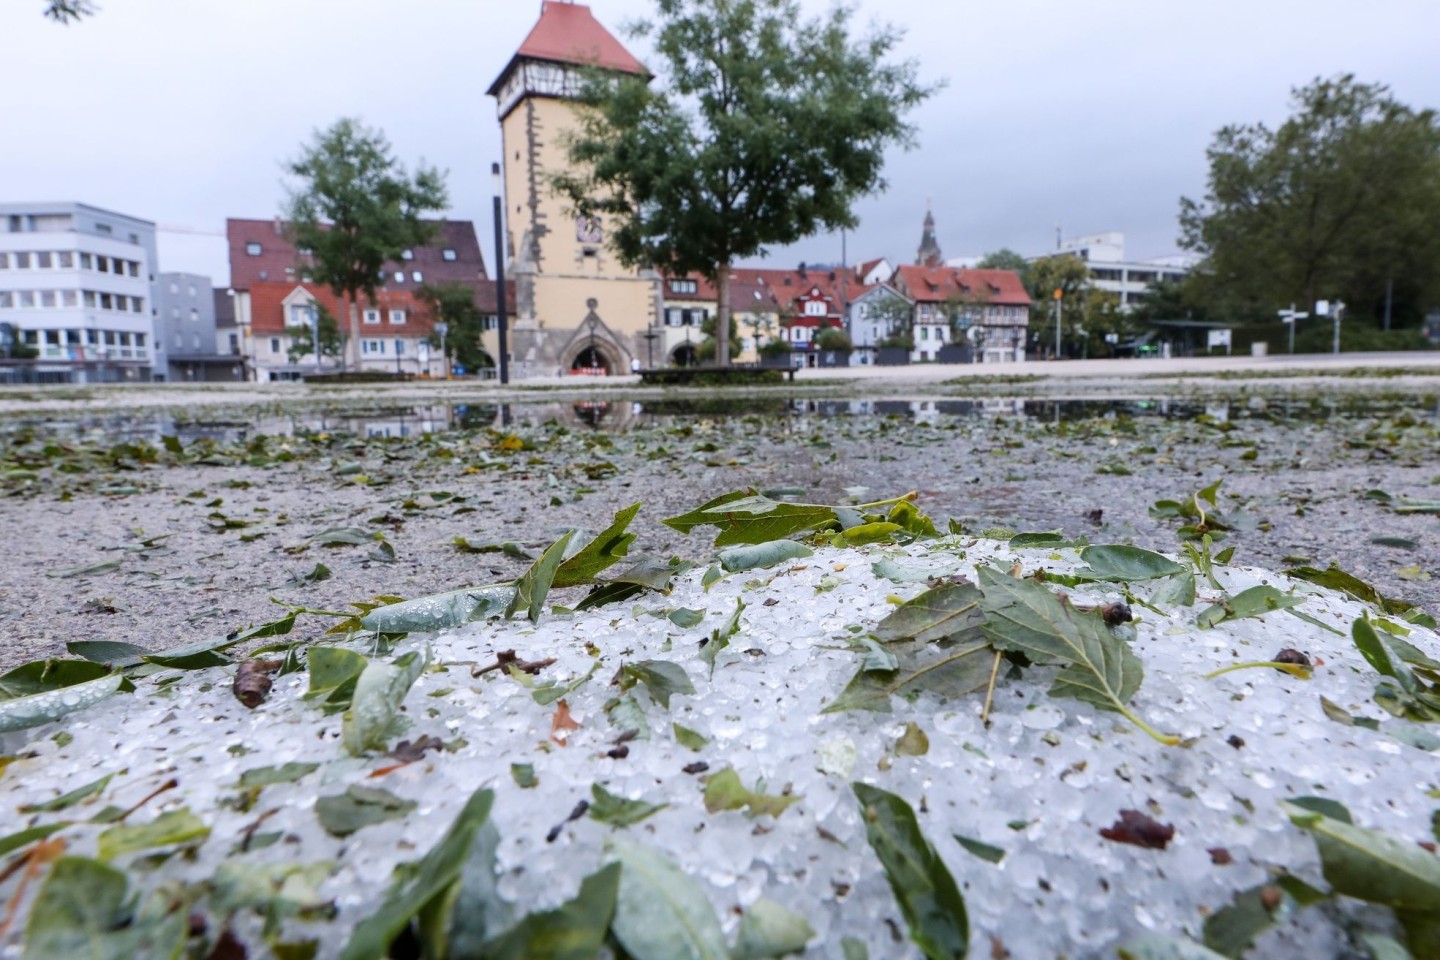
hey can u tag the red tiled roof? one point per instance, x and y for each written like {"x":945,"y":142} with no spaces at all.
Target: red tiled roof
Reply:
{"x":277,"y":255}
{"x":937,"y":284}
{"x":268,"y":317}
{"x":569,"y":33}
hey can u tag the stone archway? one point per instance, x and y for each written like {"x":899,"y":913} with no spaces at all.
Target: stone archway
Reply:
{"x":684,"y":355}
{"x":592,"y":350}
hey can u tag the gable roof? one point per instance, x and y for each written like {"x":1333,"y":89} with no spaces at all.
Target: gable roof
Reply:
{"x":568,"y":33}
{"x":938,"y":284}
{"x":277,"y":255}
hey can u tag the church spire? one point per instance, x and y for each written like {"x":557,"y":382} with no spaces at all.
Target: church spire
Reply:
{"x":929,"y":253}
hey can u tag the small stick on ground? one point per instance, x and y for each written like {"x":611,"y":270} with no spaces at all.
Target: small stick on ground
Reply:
{"x":506,"y":659}
{"x":990,"y":690}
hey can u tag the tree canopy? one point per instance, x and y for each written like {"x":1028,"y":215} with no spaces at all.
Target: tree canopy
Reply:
{"x":69,"y":11}
{"x":454,"y":305}
{"x":1338,"y":200}
{"x":762,"y":128}
{"x":356,"y":209}
{"x":327,"y":331}
{"x":1006,"y":259}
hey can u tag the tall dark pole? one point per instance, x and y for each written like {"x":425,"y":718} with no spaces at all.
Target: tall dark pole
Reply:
{"x":504,"y":358}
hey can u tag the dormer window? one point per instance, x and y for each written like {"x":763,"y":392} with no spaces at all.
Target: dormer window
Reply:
{"x":684,"y":286}
{"x":448,"y":255}
{"x":407,"y":254}
{"x":252,"y":249}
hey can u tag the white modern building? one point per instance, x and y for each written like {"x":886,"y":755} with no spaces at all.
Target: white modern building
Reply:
{"x":76,"y":286}
{"x":1131,"y":280}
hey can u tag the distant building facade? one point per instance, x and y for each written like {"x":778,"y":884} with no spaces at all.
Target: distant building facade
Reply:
{"x":1130,"y":280}
{"x":986,"y":312}
{"x":76,"y":286}
{"x":185,"y":332}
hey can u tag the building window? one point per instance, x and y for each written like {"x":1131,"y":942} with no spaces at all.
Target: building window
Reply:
{"x":372,"y":346}
{"x":418,"y":277}
{"x":180,"y":341}
{"x":448,"y":255}
{"x":104,"y":228}
{"x":192,"y":289}
{"x":42,"y":260}
{"x":407,"y":254}
{"x":175,"y":288}
{"x":102,"y":264}
{"x":69,"y":298}
{"x":65,"y":260}
{"x":137,"y":305}
{"x":814,"y":308}
{"x":7,"y":301}
{"x":274,"y":344}
{"x":397,"y":317}
{"x":4,"y":260}
{"x":22,"y":260}
{"x":90,"y":299}
{"x":252,"y":249}
{"x":684,"y":286}
{"x":195,"y":341}
{"x":86,"y":262}
{"x":399,"y":348}
{"x":399,"y":276}
{"x":47,"y":298}
{"x":372,"y":316}
{"x":106,"y":302}
{"x":194,"y":315}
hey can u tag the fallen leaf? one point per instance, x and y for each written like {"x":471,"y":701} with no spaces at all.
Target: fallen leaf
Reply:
{"x":562,"y":723}
{"x":1139,"y":829}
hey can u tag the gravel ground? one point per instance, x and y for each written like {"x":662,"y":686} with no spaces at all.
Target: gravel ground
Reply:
{"x":233,"y":536}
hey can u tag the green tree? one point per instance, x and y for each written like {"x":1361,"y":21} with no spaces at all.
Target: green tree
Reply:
{"x":764,"y":128}
{"x":1067,"y":274}
{"x":454,"y":305}
{"x":332,"y":343}
{"x":69,"y":11}
{"x":1338,"y":200}
{"x":705,"y":349}
{"x":832,"y":338}
{"x":895,"y":316}
{"x":356,"y":209}
{"x":1007,"y":259}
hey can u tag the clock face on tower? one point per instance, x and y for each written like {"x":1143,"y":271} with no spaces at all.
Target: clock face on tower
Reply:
{"x":587,"y":229}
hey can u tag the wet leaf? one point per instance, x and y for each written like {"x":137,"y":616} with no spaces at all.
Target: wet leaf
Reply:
{"x":1254,"y":602}
{"x":284,"y":773}
{"x":1118,"y":562}
{"x":982,"y":850}
{"x":416,"y":887}
{"x":660,"y":912}
{"x":932,"y":906}
{"x":758,"y":556}
{"x":937,"y":614}
{"x":172,"y":828}
{"x":40,"y":676}
{"x":719,"y":638}
{"x":21,"y":712}
{"x":724,"y":791}
{"x":109,"y":652}
{"x":898,"y":571}
{"x":23,"y":838}
{"x":524,"y":775}
{"x":619,"y":811}
{"x":548,"y":692}
{"x":573,"y":931}
{"x":949,"y":674}
{"x":686,"y":618}
{"x":343,"y":537}
{"x":375,"y":707}
{"x":1370,"y":865}
{"x":534,"y":586}
{"x":440,"y":611}
{"x":334,"y":671}
{"x":689,"y":739}
{"x":359,"y":807}
{"x":769,"y":930}
{"x":84,"y":911}
{"x":1337,"y":579}
{"x":508,"y":547}
{"x":662,"y":678}
{"x":612,"y":544}
{"x":90,"y":570}
{"x":1024,"y":616}
{"x":913,"y":742}
{"x":276,"y":891}
{"x":1158,"y":947}
{"x":1140,"y":830}
{"x":1233,"y":928}
{"x":746,"y":517}
{"x":69,"y":799}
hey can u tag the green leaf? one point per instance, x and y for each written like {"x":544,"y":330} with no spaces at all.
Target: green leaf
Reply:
{"x":1023,"y":615}
{"x":573,"y":931}
{"x":524,"y":775}
{"x":1254,"y":602}
{"x":937,"y":614}
{"x":913,"y":742}
{"x":69,"y":799}
{"x":720,"y":637}
{"x":1337,"y":579}
{"x":84,"y":912}
{"x":661,"y":677}
{"x":378,"y":694}
{"x":660,"y":912}
{"x":685,"y":618}
{"x":1233,"y":928}
{"x":769,"y":930}
{"x":334,"y":671}
{"x":532,"y":588}
{"x":440,"y":611}
{"x":359,"y":807}
{"x":1384,"y":948}
{"x":416,"y":887}
{"x":284,"y":773}
{"x":932,"y":906}
{"x":982,"y":850}
{"x":1376,"y":653}
{"x":746,"y":517}
{"x":877,"y":532}
{"x":1370,"y":865}
{"x":21,"y":712}
{"x":1176,"y":591}
{"x":41,"y":676}
{"x":109,"y":652}
{"x":276,"y":891}
{"x":724,"y":791}
{"x":1158,"y":947}
{"x":106,"y":566}
{"x":172,"y":828}
{"x":600,"y":553}
{"x":507,"y":547}
{"x":343,"y":537}
{"x":1124,"y":563}
{"x":766,"y":554}
{"x":548,"y":692}
{"x":949,"y":674}
{"x":24,"y":838}
{"x":618,"y":811}
{"x":689,"y":739}
{"x":899,"y":572}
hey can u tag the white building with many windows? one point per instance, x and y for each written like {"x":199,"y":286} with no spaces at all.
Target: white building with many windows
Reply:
{"x":76,"y":287}
{"x":1130,"y":280}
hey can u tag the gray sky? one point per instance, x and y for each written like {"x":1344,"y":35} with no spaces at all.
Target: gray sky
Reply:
{"x":1092,"y":115}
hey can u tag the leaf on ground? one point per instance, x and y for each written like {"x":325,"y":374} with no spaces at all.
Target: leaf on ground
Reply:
{"x":375,"y":708}
{"x":334,"y":671}
{"x":575,"y":930}
{"x":932,"y":906}
{"x":359,"y":807}
{"x":724,"y":791}
{"x":1371,"y":865}
{"x":719,"y":638}
{"x":561,"y":724}
{"x":534,"y":585}
{"x":1232,"y":929}
{"x":1158,"y":947}
{"x":949,"y":674}
{"x":440,"y":611}
{"x":284,"y":773}
{"x":685,"y":618}
{"x":660,"y":912}
{"x":898,"y":571}
{"x":22,"y":712}
{"x":769,"y":930}
{"x":757,"y":556}
{"x":69,"y":799}
{"x":172,"y":828}
{"x":524,"y":775}
{"x":343,"y":537}
{"x":982,"y":850}
{"x":1337,"y":579}
{"x":507,"y":547}
{"x":1119,"y":562}
{"x":618,"y":811}
{"x":1139,"y":830}
{"x":23,"y":838}
{"x":662,"y":678}
{"x":84,"y":910}
{"x":1254,"y":602}
{"x":109,"y":652}
{"x":937,"y":614}
{"x":419,"y":884}
{"x":913,"y":742}
{"x":599,"y":554}
{"x":549,"y":691}
{"x":747,"y":517}
{"x":689,"y":739}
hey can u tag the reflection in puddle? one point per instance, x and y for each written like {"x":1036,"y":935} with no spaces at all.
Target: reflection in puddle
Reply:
{"x":401,"y":421}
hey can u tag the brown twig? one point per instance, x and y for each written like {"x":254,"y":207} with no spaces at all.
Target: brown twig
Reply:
{"x":506,"y":659}
{"x":170,"y":784}
{"x":990,"y":691}
{"x":248,"y":833}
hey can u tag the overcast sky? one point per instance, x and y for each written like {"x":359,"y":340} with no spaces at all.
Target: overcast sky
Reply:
{"x":1091,"y":115}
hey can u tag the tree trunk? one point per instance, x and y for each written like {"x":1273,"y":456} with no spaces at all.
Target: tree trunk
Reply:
{"x":722,"y":316}
{"x":352,"y":349}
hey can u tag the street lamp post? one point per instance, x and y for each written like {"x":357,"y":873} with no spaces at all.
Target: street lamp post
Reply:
{"x":315,"y":334}
{"x":443,"y":328}
{"x":503,"y":359}
{"x":1324,"y":308}
{"x":650,"y":336}
{"x":1059,"y":310}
